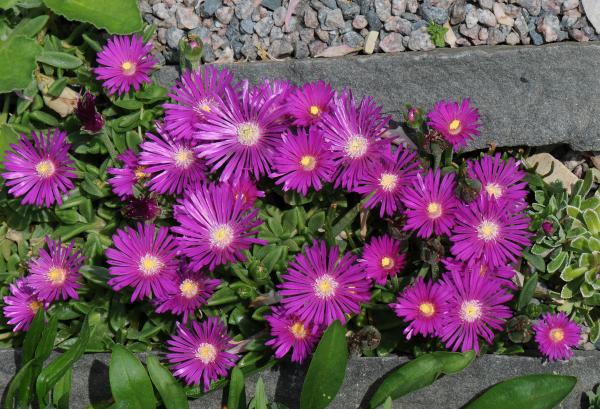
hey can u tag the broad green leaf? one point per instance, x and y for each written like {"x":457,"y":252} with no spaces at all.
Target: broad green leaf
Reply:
{"x":543,"y":391}
{"x":8,"y":136}
{"x":536,"y":261}
{"x":260,"y":396}
{"x":21,"y":377}
{"x":592,"y":221}
{"x":454,"y":362}
{"x":527,"y":291}
{"x":129,"y":380}
{"x":21,"y":51}
{"x":116,"y":16}
{"x":62,"y":391}
{"x":236,"y":398}
{"x":388,"y":403}
{"x":346,"y":220}
{"x":59,"y":60}
{"x":327,"y":369}
{"x":7,"y":4}
{"x":571,"y":272}
{"x":33,"y":336}
{"x":557,"y":262}
{"x":30,"y":27}
{"x":171,"y":391}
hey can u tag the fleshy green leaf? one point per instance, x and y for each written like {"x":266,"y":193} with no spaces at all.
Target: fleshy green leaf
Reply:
{"x":260,"y":396}
{"x":536,"y":261}
{"x":541,"y":391}
{"x":129,"y":380}
{"x":30,"y":27}
{"x":171,"y":392}
{"x":557,"y":262}
{"x":8,"y":136}
{"x":116,"y":16}
{"x":62,"y":391}
{"x":21,"y":51}
{"x":592,"y":221}
{"x":59,"y":60}
{"x":527,"y":292}
{"x":327,"y":369}
{"x":236,"y":398}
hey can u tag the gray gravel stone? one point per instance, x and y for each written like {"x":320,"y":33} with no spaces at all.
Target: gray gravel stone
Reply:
{"x":359,"y":22}
{"x":459,"y":12}
{"x":281,"y":48}
{"x":271,"y":4}
{"x":549,"y":26}
{"x":373,"y":20}
{"x":551,"y":6}
{"x":570,"y":4}
{"x":264,"y":26}
{"x":349,"y":8}
{"x":436,"y":14}
{"x":399,"y":25}
{"x":533,"y":6}
{"x":392,"y":43}
{"x":173,"y":37}
{"x":486,"y":17}
{"x":310,"y":18}
{"x":247,"y":26}
{"x":420,"y":40}
{"x":187,"y":18}
{"x":333,"y":19}
{"x":535,"y":36}
{"x":512,"y":38}
{"x":211,"y":6}
{"x":472,"y":17}
{"x":383,"y":8}
{"x":495,"y":36}
{"x":329,"y":3}
{"x":244,"y":9}
{"x":486,"y":4}
{"x":398,"y":7}
{"x":353,"y":39}
{"x":224,"y":14}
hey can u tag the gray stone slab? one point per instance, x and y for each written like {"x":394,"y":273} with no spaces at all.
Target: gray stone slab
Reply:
{"x":526,"y":95}
{"x":284,"y":382}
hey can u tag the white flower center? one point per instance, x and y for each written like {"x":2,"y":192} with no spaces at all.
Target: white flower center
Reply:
{"x":248,"y":134}
{"x":494,"y":190}
{"x":388,"y":181}
{"x":221,"y":236}
{"x":557,"y":334}
{"x":387,"y":262}
{"x":427,"y":309}
{"x":356,"y":146}
{"x":57,"y":275}
{"x":45,"y":168}
{"x":298,"y":330}
{"x":189,"y":288}
{"x":314,"y":111}
{"x":308,"y":162}
{"x":207,"y":353}
{"x":470,"y":311}
{"x":150,"y":265}
{"x":184,"y":158}
{"x":128,"y":68}
{"x":455,"y":127}
{"x":488,"y":230}
{"x":434,"y":210}
{"x":325,"y":286}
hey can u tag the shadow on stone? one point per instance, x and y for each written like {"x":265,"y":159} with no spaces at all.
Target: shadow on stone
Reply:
{"x":364,"y":403}
{"x":289,"y":384}
{"x":98,"y":383}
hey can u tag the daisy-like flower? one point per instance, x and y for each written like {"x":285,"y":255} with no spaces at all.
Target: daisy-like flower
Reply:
{"x":196,"y":93}
{"x":504,"y":273}
{"x":199,"y":353}
{"x":431,"y":204}
{"x":193,"y":291}
{"x":55,"y":273}
{"x":355,"y":134}
{"x":21,"y":305}
{"x":125,"y":178}
{"x":173,"y":164}
{"x":307,"y":104}
{"x":320,"y":287}
{"x":215,"y":227}
{"x":125,"y":62}
{"x":302,"y":161}
{"x":40,"y":171}
{"x":475,"y":308}
{"x":91,"y":120}
{"x":246,"y":189}
{"x":556,"y":335}
{"x":487,"y":232}
{"x":290,"y":332}
{"x":386,"y":181}
{"x":500,"y":180}
{"x":145,"y":260}
{"x":457,"y":122}
{"x":241,"y":134}
{"x":421,"y":305}
{"x":382,"y":259}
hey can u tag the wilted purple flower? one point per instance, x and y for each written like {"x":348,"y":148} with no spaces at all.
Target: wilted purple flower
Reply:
{"x":145,"y":208}
{"x":91,"y":120}
{"x":548,"y":227}
{"x":245,"y":188}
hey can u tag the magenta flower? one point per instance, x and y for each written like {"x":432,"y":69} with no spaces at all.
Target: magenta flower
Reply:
{"x":355,"y":135}
{"x":475,"y":308}
{"x":382,"y":259}
{"x":55,"y":273}
{"x":40,"y":172}
{"x":145,"y":208}
{"x":143,"y":259}
{"x":245,"y":188}
{"x":241,"y":134}
{"x":195,"y":94}
{"x":308,"y":103}
{"x":499,"y":179}
{"x":387,"y":180}
{"x":431,"y":204}
{"x":173,"y":165}
{"x":193,"y":291}
{"x":503,"y":273}
{"x":302,"y":161}
{"x":290,"y":332}
{"x":422,"y":305}
{"x":125,"y":62}
{"x":21,"y":305}
{"x":556,"y":335}
{"x":91,"y":120}
{"x":458,"y":123}
{"x":199,"y":353}
{"x":215,"y":227}
{"x":125,"y":178}
{"x":489,"y":233}
{"x":320,"y":287}
{"x":278,"y":89}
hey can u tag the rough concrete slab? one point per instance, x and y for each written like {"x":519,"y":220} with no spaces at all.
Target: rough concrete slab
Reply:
{"x":284,"y":382}
{"x":527,"y":95}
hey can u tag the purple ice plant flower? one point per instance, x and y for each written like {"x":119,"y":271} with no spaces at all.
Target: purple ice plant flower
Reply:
{"x":199,"y":353}
{"x":144,"y":259}
{"x":21,"y":305}
{"x":476,"y":307}
{"x":503,"y":273}
{"x":41,"y":172}
{"x":125,"y":178}
{"x":431,"y":204}
{"x":307,"y":104}
{"x":457,"y":122}
{"x":291,"y":333}
{"x":556,"y":335}
{"x":245,"y":188}
{"x":355,"y":135}
{"x":123,"y":63}
{"x":302,"y":161}
{"x":320,"y":287}
{"x":215,"y":227}
{"x":55,"y":273}
{"x":500,"y":179}
{"x":91,"y":120}
{"x":382,"y":259}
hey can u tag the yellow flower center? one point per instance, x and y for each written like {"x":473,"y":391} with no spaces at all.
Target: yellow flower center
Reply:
{"x":248,"y":134}
{"x":45,"y":168}
{"x":557,"y":334}
{"x":57,"y":275}
{"x":308,"y":162}
{"x":388,"y":181}
{"x":454,"y":127}
{"x":140,"y":172}
{"x":184,"y":158}
{"x":150,"y":265}
{"x":325,"y":286}
{"x":470,"y":310}
{"x":356,"y":146}
{"x":427,"y":309}
{"x":434,"y":210}
{"x":207,"y":353}
{"x":495,"y":190}
{"x":189,"y":288}
{"x":128,"y":68}
{"x":34,"y":306}
{"x":204,"y":106}
{"x":221,"y":236}
{"x":298,"y":330}
{"x":314,"y":110}
{"x":387,"y":262}
{"x":488,"y":230}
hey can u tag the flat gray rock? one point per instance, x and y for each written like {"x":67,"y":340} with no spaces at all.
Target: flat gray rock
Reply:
{"x":284,"y":382}
{"x":526,"y":95}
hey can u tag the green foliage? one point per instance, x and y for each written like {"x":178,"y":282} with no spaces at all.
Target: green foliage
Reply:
{"x":22,"y":52}
{"x":437,"y":33}
{"x":129,"y":382}
{"x":171,"y":392}
{"x":237,"y":392}
{"x":593,"y":399}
